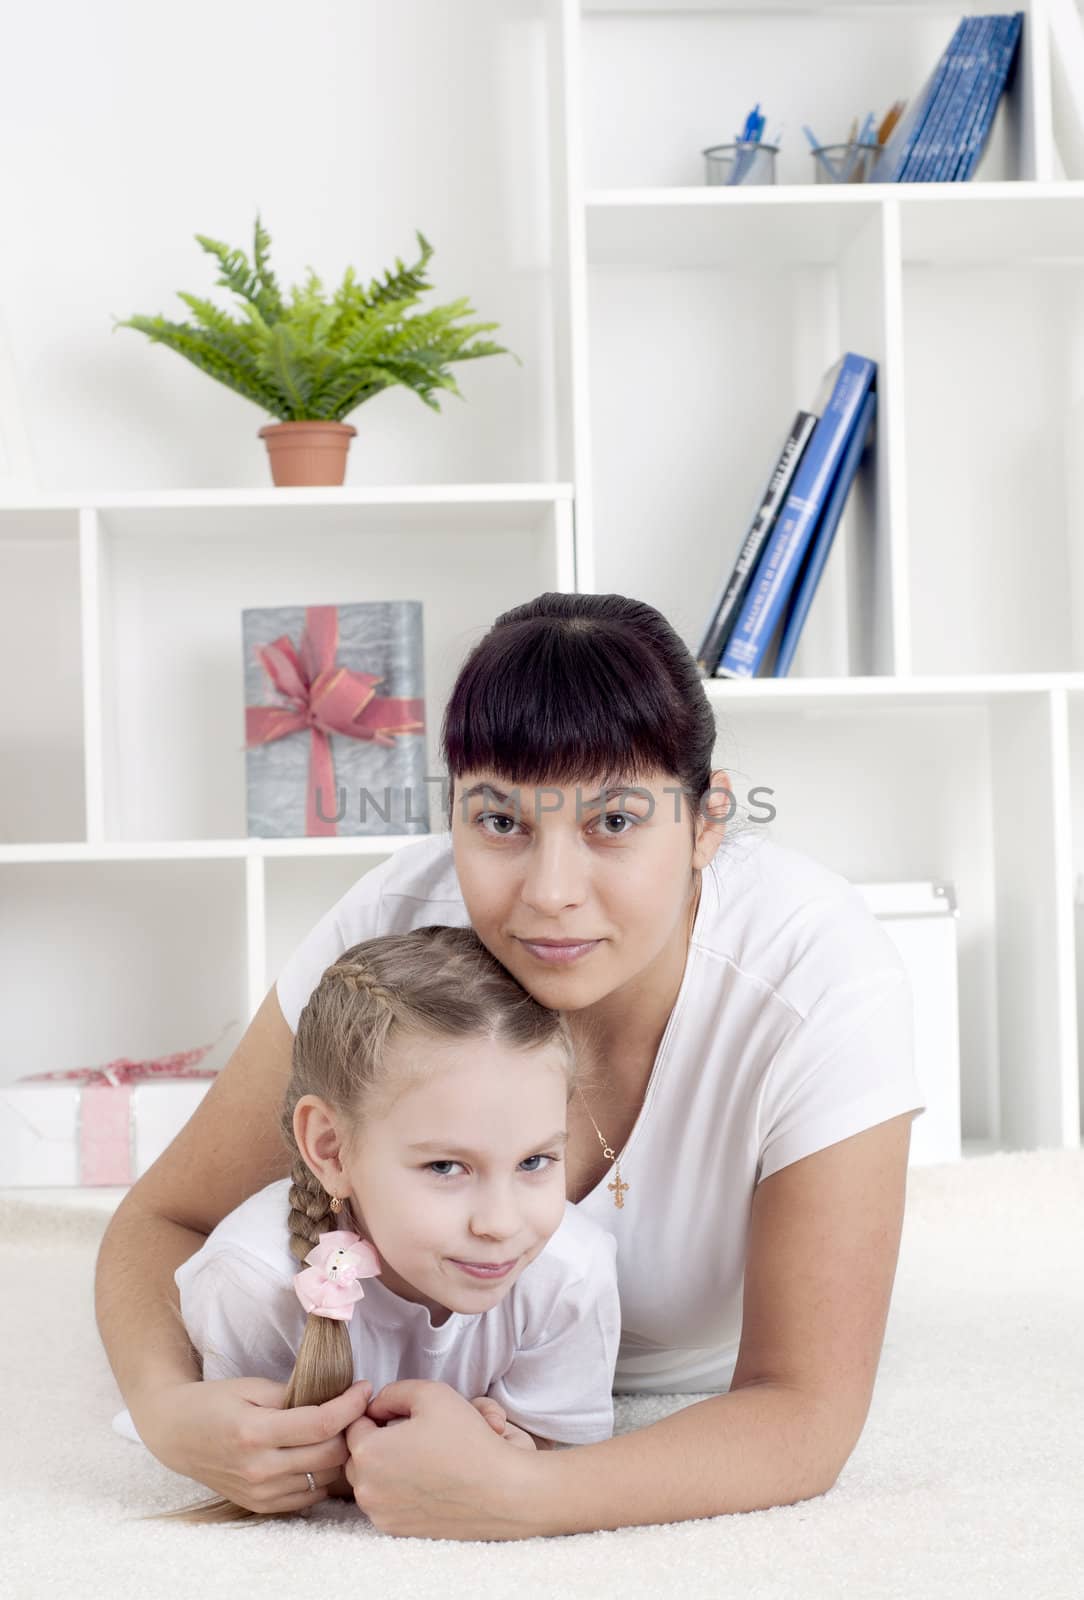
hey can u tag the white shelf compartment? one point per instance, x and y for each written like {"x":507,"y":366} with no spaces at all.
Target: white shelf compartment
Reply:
{"x":969,"y":787}
{"x":993,"y":380}
{"x":838,"y":60}
{"x":747,"y":305}
{"x":42,"y":792}
{"x":932,"y":571}
{"x":238,"y":907}
{"x":109,"y":958}
{"x":163,"y":579}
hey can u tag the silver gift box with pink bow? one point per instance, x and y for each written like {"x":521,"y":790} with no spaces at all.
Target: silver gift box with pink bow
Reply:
{"x":335,"y":720}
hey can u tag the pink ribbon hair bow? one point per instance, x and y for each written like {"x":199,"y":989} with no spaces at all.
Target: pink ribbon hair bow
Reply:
{"x":331,"y":1286}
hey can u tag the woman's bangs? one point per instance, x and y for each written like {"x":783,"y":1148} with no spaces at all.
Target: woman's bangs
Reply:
{"x":561,"y":717}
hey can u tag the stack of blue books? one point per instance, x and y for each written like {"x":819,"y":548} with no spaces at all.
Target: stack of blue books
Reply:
{"x":766,"y":597}
{"x":944,"y":135}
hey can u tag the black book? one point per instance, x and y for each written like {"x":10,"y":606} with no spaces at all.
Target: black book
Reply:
{"x":728,"y":602}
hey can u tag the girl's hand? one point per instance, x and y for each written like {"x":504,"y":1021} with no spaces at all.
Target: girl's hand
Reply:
{"x":493,"y":1411}
{"x":441,"y":1472}
{"x":497,"y":1417}
{"x":233,"y":1435}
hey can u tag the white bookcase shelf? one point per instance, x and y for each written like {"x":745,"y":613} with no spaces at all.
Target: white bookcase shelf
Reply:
{"x":933,"y":723}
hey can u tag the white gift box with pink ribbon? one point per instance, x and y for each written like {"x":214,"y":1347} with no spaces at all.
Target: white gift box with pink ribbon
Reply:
{"x":97,"y":1125}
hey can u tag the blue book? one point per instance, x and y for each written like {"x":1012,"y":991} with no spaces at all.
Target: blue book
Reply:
{"x":976,"y":143}
{"x":908,"y":130}
{"x":989,"y":49}
{"x":946,"y":150}
{"x":851,"y":380}
{"x":806,"y":587}
{"x":979,"y":99}
{"x":726,"y":608}
{"x":960,"y":52}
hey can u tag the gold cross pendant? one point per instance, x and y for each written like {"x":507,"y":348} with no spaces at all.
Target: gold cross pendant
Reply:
{"x":618,"y":1188}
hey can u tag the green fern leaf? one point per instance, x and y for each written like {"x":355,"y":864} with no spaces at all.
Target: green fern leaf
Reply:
{"x":284,"y":367}
{"x":405,"y":281}
{"x":270,"y":299}
{"x":200,"y":348}
{"x":315,"y":356}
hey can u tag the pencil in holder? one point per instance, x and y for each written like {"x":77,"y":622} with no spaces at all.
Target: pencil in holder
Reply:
{"x":747,"y":161}
{"x":846,"y":163}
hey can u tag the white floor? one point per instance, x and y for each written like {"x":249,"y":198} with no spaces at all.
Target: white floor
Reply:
{"x":968,"y":1479}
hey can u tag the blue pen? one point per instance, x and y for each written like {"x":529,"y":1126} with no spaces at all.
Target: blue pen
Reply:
{"x":750,"y":134}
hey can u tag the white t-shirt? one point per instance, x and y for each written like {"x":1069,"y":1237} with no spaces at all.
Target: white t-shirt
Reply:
{"x":546,"y":1350}
{"x":793,"y":1028}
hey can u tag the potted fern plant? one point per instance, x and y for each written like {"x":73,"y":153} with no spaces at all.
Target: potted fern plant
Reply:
{"x":309,"y":361}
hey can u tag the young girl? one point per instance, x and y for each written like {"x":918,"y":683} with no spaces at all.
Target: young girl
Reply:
{"x":425,"y":1231}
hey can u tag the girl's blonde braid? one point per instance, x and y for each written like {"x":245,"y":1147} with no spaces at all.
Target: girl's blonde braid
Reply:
{"x":359,"y":980}
{"x":313,"y":1211}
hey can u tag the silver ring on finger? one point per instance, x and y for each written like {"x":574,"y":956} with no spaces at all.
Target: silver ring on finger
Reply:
{"x":311,"y":1479}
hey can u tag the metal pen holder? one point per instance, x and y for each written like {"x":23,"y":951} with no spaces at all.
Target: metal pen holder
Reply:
{"x":846,"y":163}
{"x":744,"y":162}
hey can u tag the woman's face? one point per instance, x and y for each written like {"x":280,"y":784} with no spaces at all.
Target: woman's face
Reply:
{"x":608,"y":873}
{"x":467,"y":1165}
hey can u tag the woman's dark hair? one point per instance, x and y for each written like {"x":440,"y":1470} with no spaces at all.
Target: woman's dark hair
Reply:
{"x":574,"y":687}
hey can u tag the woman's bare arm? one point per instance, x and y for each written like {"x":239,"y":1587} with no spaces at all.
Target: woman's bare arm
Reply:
{"x":229,"y":1148}
{"x":823,"y":1247}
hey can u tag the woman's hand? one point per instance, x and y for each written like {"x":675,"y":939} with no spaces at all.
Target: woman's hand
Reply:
{"x":441,"y":1472}
{"x":233,"y":1435}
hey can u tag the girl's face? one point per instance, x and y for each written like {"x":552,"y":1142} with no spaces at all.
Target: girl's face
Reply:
{"x":605,"y":872}
{"x":467,"y":1166}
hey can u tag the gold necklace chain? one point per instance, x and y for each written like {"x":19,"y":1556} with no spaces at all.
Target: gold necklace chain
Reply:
{"x":617,"y":1186}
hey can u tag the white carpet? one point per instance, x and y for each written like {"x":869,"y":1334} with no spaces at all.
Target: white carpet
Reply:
{"x":968,"y":1479}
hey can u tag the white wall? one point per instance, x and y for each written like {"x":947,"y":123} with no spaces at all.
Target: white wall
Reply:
{"x":127,"y":128}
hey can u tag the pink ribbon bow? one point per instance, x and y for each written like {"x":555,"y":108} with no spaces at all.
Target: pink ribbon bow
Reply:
{"x":116,"y":1074}
{"x":330,"y":1287}
{"x":325,"y":699}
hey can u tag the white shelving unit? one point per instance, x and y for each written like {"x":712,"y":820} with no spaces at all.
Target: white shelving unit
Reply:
{"x":933,"y":724}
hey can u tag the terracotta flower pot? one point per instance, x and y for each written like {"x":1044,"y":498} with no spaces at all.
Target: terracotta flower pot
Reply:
{"x":307,"y":453}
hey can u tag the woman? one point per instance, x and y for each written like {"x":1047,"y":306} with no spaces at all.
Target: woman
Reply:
{"x":752,"y":1024}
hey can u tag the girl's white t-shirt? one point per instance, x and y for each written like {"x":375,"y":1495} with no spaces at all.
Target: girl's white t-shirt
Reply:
{"x":792,"y":1029}
{"x":546,"y":1350}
